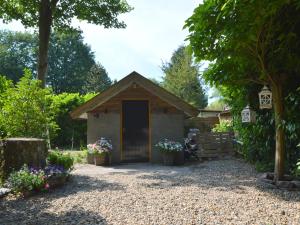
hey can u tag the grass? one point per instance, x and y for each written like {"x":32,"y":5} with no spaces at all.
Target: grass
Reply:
{"x":78,"y":155}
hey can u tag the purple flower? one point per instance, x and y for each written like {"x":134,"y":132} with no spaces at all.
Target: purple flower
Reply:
{"x":54,"y":169}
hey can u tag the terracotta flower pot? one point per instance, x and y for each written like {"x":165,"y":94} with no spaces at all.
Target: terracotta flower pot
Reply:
{"x":102,"y":160}
{"x":56,"y":181}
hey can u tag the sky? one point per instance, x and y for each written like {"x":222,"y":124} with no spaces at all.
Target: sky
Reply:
{"x":154,"y":30}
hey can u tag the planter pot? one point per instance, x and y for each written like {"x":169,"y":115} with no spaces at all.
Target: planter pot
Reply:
{"x":90,"y":158}
{"x":169,"y":158}
{"x":56,"y":181}
{"x":27,"y":194}
{"x":102,"y":160}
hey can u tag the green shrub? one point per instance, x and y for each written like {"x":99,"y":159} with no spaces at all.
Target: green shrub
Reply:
{"x":223,"y":126}
{"x":79,"y":156}
{"x":60,"y":159}
{"x":264,"y":167}
{"x":70,"y":130}
{"x":26,"y":110}
{"x":297,"y":169}
{"x":26,"y":180}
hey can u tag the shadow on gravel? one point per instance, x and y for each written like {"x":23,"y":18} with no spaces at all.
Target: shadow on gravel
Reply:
{"x":74,"y":216}
{"x":13,"y":211}
{"x":223,"y":175}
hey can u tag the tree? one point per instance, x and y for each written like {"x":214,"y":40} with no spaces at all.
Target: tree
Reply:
{"x":182,"y":78}
{"x":17,"y":51}
{"x":70,"y":59}
{"x":256,"y":42}
{"x":4,"y":85}
{"x":26,"y":110}
{"x":45,"y":14}
{"x":72,"y":132}
{"x":97,"y":79}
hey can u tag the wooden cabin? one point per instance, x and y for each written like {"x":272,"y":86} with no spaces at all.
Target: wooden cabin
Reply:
{"x":135,"y":114}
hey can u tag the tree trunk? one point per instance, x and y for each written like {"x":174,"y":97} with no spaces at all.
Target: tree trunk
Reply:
{"x":45,"y":22}
{"x":280,"y":146}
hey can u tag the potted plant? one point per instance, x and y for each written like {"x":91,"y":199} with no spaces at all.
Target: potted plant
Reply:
{"x":90,"y":153}
{"x":26,"y":181}
{"x":169,"y":149}
{"x":56,"y":175}
{"x":101,"y":151}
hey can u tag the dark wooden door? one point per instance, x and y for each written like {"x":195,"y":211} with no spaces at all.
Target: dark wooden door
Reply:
{"x":135,"y":130}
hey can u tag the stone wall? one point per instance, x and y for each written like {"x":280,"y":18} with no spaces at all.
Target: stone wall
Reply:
{"x":15,"y":152}
{"x":105,"y":125}
{"x":166,"y":125}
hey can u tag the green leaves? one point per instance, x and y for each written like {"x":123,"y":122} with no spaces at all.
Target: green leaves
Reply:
{"x":182,"y":78}
{"x":60,"y":159}
{"x":93,"y":11}
{"x":26,"y":110}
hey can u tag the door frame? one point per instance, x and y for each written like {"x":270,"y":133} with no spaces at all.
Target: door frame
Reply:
{"x":149,"y":127}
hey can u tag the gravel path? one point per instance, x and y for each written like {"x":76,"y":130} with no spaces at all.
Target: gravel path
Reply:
{"x":214,"y":192}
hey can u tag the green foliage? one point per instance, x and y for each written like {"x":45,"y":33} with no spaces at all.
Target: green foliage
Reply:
{"x":4,"y":85}
{"x":97,"y":79}
{"x":60,"y":159}
{"x":216,"y":105}
{"x":297,"y":169}
{"x":250,"y":44}
{"x":79,"y":156}
{"x":182,"y":78}
{"x":71,"y":131}
{"x":70,"y":60}
{"x":17,"y":51}
{"x":72,"y":66}
{"x":25,"y":180}
{"x":223,"y":126}
{"x":101,"y":13}
{"x":26,"y":109}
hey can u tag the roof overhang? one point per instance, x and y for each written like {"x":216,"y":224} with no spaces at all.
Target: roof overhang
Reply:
{"x":134,"y":77}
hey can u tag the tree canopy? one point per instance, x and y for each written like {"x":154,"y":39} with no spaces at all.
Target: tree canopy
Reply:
{"x":17,"y":51}
{"x":250,"y":44}
{"x":45,"y":14}
{"x":182,"y":78}
{"x":72,"y":62}
{"x":97,"y":79}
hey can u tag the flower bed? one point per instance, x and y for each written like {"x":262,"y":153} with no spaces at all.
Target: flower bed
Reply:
{"x":29,"y":180}
{"x":99,"y":153}
{"x":169,"y":149}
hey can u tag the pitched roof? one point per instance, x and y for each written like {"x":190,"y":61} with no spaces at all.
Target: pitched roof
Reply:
{"x":126,"y":82}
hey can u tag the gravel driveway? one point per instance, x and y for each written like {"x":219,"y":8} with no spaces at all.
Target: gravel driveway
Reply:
{"x":214,"y":192}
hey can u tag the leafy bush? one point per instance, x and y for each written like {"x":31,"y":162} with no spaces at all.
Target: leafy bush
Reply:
{"x":26,"y":109}
{"x":60,"y":159}
{"x":223,"y":126}
{"x":26,"y":180}
{"x":297,"y":169}
{"x":71,"y":131}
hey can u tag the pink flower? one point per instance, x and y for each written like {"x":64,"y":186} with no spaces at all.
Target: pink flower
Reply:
{"x":47,"y":186}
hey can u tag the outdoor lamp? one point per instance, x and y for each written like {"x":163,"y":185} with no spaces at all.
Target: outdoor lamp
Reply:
{"x":265,"y":98}
{"x":248,"y":115}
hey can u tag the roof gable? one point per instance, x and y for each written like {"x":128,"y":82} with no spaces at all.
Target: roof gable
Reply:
{"x":126,"y":82}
